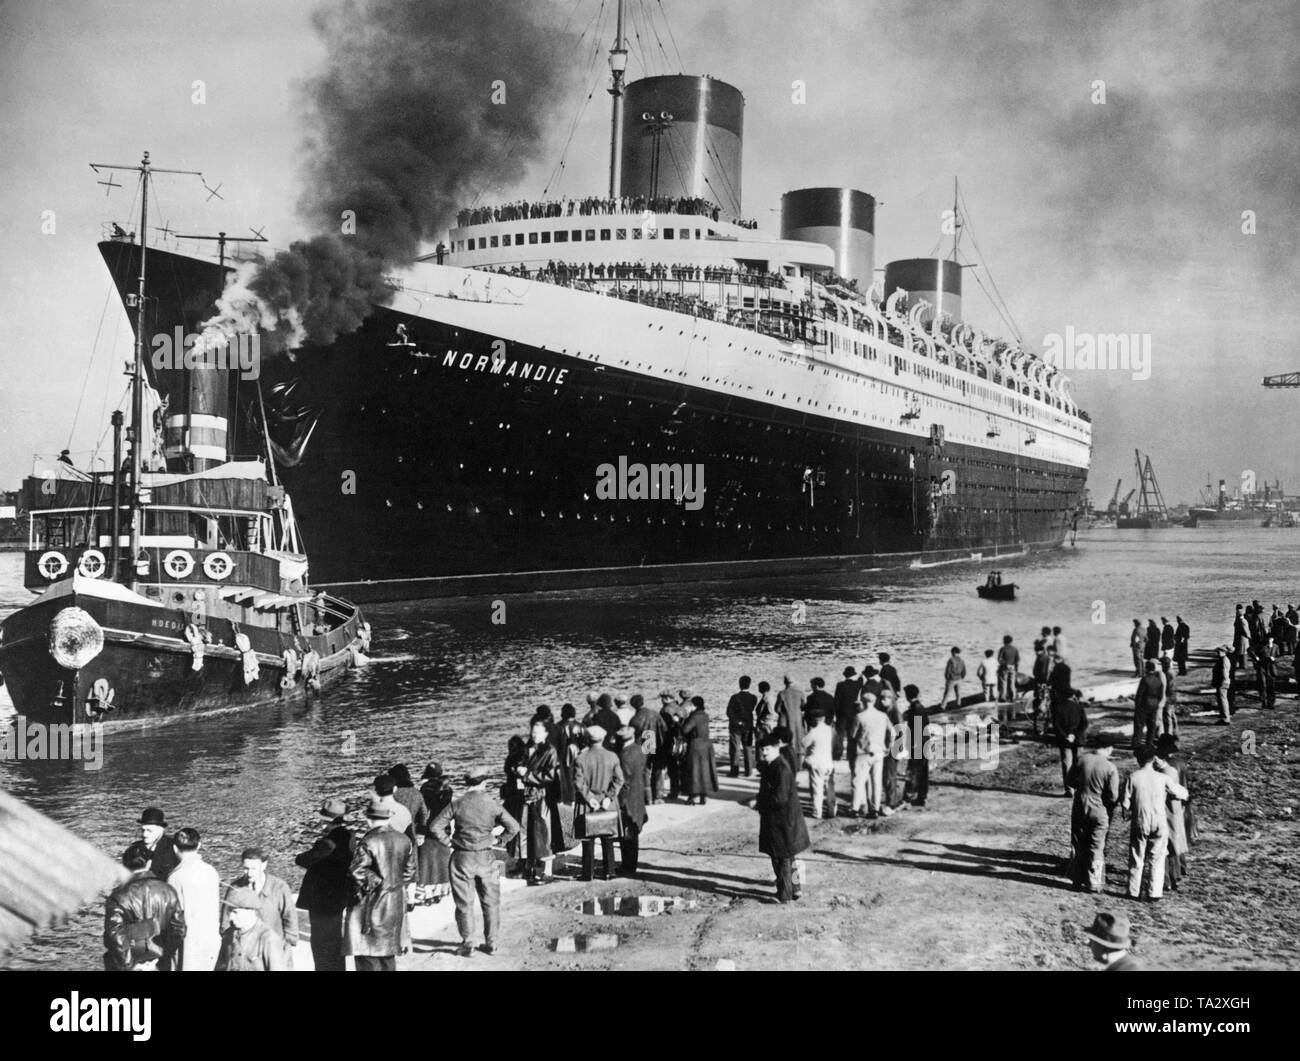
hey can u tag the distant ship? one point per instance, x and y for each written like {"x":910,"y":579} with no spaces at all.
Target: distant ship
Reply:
{"x":1251,"y":507}
{"x":836,"y":424}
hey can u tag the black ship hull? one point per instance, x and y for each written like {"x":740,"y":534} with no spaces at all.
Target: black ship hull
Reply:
{"x":417,"y":470}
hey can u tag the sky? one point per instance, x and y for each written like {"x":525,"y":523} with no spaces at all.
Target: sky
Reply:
{"x":1126,"y":167}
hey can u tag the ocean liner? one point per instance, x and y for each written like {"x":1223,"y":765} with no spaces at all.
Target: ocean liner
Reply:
{"x":455,"y":442}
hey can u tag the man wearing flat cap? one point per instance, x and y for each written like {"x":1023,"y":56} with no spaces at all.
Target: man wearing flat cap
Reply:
{"x":1108,"y":938}
{"x":157,"y":846}
{"x":597,"y":779}
{"x":471,"y":825}
{"x":274,"y":899}
{"x":324,"y":891}
{"x":382,"y":863}
{"x":248,"y":945}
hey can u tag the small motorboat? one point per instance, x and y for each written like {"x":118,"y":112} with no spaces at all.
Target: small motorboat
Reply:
{"x":995,"y":589}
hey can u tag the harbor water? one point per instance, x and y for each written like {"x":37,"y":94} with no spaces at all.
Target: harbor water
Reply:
{"x":446,"y":682}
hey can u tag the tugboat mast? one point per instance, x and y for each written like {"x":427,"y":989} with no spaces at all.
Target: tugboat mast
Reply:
{"x":134,"y":432}
{"x":618,"y":65}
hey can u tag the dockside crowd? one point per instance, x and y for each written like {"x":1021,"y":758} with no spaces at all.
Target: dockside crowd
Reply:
{"x":579,"y":779}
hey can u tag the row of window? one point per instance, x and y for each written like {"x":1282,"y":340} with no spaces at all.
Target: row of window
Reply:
{"x":575,"y":235}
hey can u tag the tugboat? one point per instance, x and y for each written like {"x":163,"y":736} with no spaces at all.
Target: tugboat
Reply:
{"x":169,"y":591}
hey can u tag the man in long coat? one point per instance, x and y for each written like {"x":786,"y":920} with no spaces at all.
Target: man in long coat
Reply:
{"x":789,"y":714}
{"x":740,"y":727}
{"x":782,"y":833}
{"x":631,"y":798}
{"x":381,"y":866}
{"x":847,"y":693}
{"x":324,"y":890}
{"x":1095,"y":781}
{"x":1182,"y":643}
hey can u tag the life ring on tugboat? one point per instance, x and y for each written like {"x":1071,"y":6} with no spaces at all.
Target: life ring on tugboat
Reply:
{"x":217,"y":566}
{"x":178,"y":564}
{"x":52,"y":565}
{"x":92,"y":564}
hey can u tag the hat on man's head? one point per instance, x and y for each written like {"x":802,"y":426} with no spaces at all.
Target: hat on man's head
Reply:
{"x":596,"y":733}
{"x":241,"y":899}
{"x":605,"y":700}
{"x":625,"y":734}
{"x":433,"y":770}
{"x":376,"y":810}
{"x":665,"y":695}
{"x":637,"y":701}
{"x":253,"y":853}
{"x":1111,"y":931}
{"x":333,"y":808}
{"x":849,"y":672}
{"x":153,"y":816}
{"x":771,"y":740}
{"x":625,"y":714}
{"x":619,"y":701}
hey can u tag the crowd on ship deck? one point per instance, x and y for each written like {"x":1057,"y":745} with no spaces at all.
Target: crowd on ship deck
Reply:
{"x":710,"y":274}
{"x":592,"y":206}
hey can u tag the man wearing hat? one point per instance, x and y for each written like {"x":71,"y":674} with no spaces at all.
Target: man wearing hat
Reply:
{"x":606,"y":717}
{"x":1108,"y":937}
{"x":789,"y":716}
{"x":382,"y":863}
{"x":782,"y":834}
{"x":1096,"y":795}
{"x":470,"y":825}
{"x":324,"y":891}
{"x":159,"y":852}
{"x":740,"y":727}
{"x":248,"y":945}
{"x":631,"y":798}
{"x":597,"y":779}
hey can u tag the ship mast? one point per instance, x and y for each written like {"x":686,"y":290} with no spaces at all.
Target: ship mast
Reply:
{"x":618,"y":66}
{"x":134,"y":429}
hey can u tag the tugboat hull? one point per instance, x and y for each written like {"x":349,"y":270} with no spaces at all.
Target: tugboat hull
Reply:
{"x":146,"y":667}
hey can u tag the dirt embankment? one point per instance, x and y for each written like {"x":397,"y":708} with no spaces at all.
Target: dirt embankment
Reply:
{"x":974,"y":881}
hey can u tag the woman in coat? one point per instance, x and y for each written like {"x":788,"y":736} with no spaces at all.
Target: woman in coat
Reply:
{"x":539,"y":774}
{"x":782,"y":833}
{"x":512,"y":791}
{"x":433,"y":869}
{"x":699,"y":774}
{"x":568,"y":740}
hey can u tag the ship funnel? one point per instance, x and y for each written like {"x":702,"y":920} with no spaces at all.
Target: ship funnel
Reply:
{"x":844,"y":219}
{"x":682,"y":138}
{"x":936,"y":280}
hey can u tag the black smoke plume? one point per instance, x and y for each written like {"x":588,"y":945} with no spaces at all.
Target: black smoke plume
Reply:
{"x":403,"y":130}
